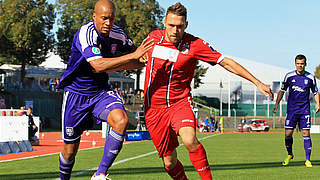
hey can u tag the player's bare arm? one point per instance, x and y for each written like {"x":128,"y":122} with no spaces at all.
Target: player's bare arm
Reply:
{"x":108,"y":64}
{"x":279,"y":97}
{"x":237,"y":69}
{"x":317,"y":98}
{"x":137,"y":64}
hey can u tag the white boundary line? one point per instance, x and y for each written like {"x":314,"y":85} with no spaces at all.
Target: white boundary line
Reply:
{"x":132,"y":158}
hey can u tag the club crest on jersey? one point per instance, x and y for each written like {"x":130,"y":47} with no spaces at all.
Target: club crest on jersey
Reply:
{"x":95,"y":50}
{"x":69,"y":131}
{"x":306,"y":81}
{"x":185,"y":48}
{"x":113,"y":48}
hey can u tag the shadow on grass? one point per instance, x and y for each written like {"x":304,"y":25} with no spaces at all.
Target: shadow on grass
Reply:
{"x":219,"y":167}
{"x":146,"y":170}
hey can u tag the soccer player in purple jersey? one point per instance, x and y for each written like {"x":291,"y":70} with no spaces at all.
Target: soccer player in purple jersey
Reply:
{"x":85,"y":82}
{"x":299,"y":82}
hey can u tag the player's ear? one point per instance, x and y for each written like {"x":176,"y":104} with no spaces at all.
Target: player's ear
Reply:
{"x":164,"y":22}
{"x":186,"y":25}
{"x":94,"y":16}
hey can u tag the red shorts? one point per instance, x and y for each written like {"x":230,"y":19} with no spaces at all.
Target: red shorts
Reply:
{"x":164,"y":124}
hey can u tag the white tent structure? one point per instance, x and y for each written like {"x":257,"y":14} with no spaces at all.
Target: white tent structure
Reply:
{"x":216,"y":74}
{"x":53,"y":61}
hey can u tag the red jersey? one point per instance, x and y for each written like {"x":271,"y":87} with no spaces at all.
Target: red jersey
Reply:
{"x":170,"y":69}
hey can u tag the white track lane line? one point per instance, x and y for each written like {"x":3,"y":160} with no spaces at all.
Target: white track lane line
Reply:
{"x":129,"y":159}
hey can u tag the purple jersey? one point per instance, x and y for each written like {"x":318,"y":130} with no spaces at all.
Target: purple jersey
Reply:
{"x":88,"y":44}
{"x":299,"y":91}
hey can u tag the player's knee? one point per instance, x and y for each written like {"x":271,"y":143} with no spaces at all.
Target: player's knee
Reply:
{"x":170,"y":163}
{"x":119,"y":120}
{"x":191,"y":143}
{"x":123,"y":122}
{"x":69,"y":154}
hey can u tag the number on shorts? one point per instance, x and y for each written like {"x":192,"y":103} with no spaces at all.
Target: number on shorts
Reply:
{"x":308,"y":119}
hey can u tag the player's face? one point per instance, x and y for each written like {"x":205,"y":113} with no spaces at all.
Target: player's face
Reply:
{"x":103,"y":19}
{"x":300,"y":65}
{"x":175,"y":26}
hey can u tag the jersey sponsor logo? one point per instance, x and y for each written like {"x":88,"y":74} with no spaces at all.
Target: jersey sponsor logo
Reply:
{"x":165,"y":53}
{"x":185,"y":48}
{"x":69,"y":131}
{"x":297,"y":88}
{"x":95,"y":50}
{"x":113,"y":48}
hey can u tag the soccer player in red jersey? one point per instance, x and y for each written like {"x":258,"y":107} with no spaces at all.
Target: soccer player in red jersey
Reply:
{"x":168,"y":104}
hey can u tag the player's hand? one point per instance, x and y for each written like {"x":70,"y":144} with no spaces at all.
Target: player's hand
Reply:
{"x":144,"y":47}
{"x":265,"y":90}
{"x":274,"y":109}
{"x":144,"y":58}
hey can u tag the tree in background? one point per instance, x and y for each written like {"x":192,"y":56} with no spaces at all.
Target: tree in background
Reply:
{"x":25,"y":32}
{"x":137,"y":18}
{"x":71,"y":16}
{"x":317,"y":72}
{"x":199,"y":72}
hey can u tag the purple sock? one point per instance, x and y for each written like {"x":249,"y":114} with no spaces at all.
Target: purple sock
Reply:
{"x":111,"y":149}
{"x":65,"y":167}
{"x":307,"y":146}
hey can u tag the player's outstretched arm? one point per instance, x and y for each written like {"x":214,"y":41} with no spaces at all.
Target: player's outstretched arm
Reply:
{"x":112,"y":64}
{"x":279,"y":97}
{"x":237,"y":69}
{"x":317,"y":98}
{"x":137,"y":64}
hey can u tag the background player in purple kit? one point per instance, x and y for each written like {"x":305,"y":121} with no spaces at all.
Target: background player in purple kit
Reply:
{"x":87,"y":92}
{"x":299,"y":82}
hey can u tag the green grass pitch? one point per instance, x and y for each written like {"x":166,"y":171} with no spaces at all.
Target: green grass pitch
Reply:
{"x":244,"y":156}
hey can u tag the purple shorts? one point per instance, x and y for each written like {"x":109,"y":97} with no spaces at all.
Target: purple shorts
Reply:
{"x":293,"y":119}
{"x":78,"y":110}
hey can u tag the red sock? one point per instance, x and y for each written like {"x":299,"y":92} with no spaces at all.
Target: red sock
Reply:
{"x":199,"y":160}
{"x":177,"y":172}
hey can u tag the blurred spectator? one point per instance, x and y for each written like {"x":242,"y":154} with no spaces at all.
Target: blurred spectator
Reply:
{"x":130,"y":96}
{"x":142,"y":95}
{"x":212,"y":121}
{"x":32,"y":128}
{"x":137,"y":118}
{"x":56,"y":82}
{"x":208,"y":124}
{"x":51,"y":85}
